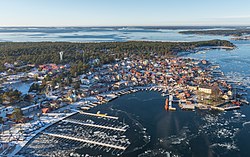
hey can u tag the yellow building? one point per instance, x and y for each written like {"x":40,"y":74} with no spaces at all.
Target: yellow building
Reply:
{"x":205,"y":90}
{"x":194,"y":88}
{"x":225,"y":97}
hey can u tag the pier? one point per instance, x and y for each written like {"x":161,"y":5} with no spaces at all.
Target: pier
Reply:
{"x":97,"y":115}
{"x":232,"y":108}
{"x":103,"y":135}
{"x":86,"y":141}
{"x":94,"y":125}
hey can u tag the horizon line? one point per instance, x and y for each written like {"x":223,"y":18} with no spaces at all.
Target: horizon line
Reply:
{"x":226,"y":25}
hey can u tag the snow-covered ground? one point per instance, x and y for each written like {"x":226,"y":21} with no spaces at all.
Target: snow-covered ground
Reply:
{"x":19,"y":135}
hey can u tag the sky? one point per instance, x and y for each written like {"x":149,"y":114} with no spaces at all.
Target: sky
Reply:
{"x":124,"y":12}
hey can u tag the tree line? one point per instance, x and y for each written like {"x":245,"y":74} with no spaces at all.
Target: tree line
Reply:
{"x":106,"y":52}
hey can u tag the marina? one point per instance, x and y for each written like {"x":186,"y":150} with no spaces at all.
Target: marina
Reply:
{"x":94,"y":125}
{"x":109,"y":133}
{"x":102,"y":133}
{"x":85,"y":141}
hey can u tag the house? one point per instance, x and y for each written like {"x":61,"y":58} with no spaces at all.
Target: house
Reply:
{"x":120,"y":84}
{"x":226,"y":97}
{"x":194,"y":88}
{"x":72,"y":98}
{"x":33,"y":74}
{"x":6,"y":111}
{"x":230,"y":93}
{"x":30,"y":108}
{"x":8,"y":65}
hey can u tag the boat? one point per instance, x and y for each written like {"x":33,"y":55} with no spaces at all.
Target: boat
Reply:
{"x":101,"y":114}
{"x":85,"y":108}
{"x":237,"y":103}
{"x":164,"y":94}
{"x":166,"y":104}
{"x":244,"y":101}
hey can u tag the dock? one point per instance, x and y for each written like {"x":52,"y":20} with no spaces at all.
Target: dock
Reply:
{"x":97,"y":115}
{"x":86,"y":141}
{"x":103,"y":135}
{"x":232,"y":108}
{"x":94,"y":125}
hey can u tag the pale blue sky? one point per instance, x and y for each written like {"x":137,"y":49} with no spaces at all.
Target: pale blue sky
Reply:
{"x":123,"y":12}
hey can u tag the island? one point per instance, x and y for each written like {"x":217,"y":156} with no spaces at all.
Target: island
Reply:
{"x":224,"y":32}
{"x":237,"y":33}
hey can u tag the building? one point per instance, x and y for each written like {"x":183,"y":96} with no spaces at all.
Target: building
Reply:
{"x":194,"y":88}
{"x":205,"y":90}
{"x":5,"y":112}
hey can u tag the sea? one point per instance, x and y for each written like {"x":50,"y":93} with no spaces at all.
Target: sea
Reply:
{"x":153,"y":131}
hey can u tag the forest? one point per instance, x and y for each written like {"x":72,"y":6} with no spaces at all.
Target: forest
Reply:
{"x":105,"y":52}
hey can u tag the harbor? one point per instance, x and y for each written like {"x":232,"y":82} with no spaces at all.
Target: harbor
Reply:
{"x":172,"y":103}
{"x":97,"y":129}
{"x":102,"y":134}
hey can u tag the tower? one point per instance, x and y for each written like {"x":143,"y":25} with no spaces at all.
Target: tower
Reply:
{"x":83,"y":56}
{"x":61,"y":55}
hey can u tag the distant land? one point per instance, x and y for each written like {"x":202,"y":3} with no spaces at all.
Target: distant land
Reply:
{"x":229,"y":32}
{"x":119,"y":33}
{"x":118,"y":27}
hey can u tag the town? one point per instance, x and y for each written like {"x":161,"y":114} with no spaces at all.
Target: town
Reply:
{"x":54,"y":95}
{"x":149,"y":78}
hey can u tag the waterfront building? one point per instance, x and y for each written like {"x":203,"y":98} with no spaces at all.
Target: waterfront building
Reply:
{"x":205,"y":90}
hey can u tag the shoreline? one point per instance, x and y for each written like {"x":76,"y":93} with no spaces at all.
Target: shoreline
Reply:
{"x":164,"y":92}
